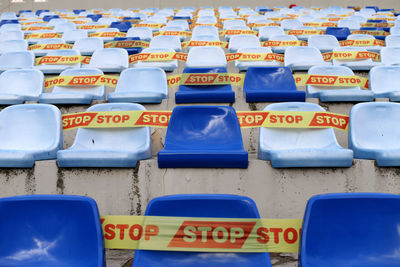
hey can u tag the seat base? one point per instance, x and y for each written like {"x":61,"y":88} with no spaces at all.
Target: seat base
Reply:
{"x":89,"y":158}
{"x":275,"y":96}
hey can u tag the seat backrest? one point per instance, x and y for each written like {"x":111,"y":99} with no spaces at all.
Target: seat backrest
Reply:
{"x":243,"y":40}
{"x":323,"y":41}
{"x":51,"y":41}
{"x":384,"y":79}
{"x":379,"y":132}
{"x":49,"y":229}
{"x":360,"y":37}
{"x":390,"y":55}
{"x":266,"y":32}
{"x":141,"y":32}
{"x":269,"y":79}
{"x":63,"y":27}
{"x":291,"y":138}
{"x":291,"y":24}
{"x":11,"y":35}
{"x":206,"y":56}
{"x":179,"y":23}
{"x":147,"y":79}
{"x":131,"y":139}
{"x":334,"y":230}
{"x":11,"y":27}
{"x":74,"y":35}
{"x":204,"y":37}
{"x":13,"y":45}
{"x":17,"y":60}
{"x":88,"y":44}
{"x":283,"y":37}
{"x":393,"y":31}
{"x":31,"y":127}
{"x":349,"y":23}
{"x":234,"y":22}
{"x":26,"y":82}
{"x":302,"y":55}
{"x":393,"y":41}
{"x":96,"y":90}
{"x":110,"y":56}
{"x":205,"y":30}
{"x":341,"y":33}
{"x":166,"y":41}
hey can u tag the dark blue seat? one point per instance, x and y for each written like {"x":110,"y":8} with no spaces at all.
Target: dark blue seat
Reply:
{"x":122,"y":26}
{"x":340,"y":33}
{"x":130,"y":50}
{"x":205,"y":93}
{"x":8,"y":21}
{"x":25,"y":11}
{"x":211,"y":206}
{"x":377,"y":21}
{"x":386,"y":9}
{"x":271,"y":84}
{"x":40,"y":11}
{"x":379,"y":37}
{"x":94,"y":17}
{"x":203,"y":137}
{"x":351,"y":229}
{"x":50,"y":230}
{"x":181,"y":17}
{"x":50,"y":17}
{"x":78,"y":11}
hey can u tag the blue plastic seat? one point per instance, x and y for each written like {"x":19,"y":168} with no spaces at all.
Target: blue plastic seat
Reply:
{"x":122,"y":26}
{"x":377,"y":29}
{"x":210,"y":206}
{"x":203,"y":137}
{"x":384,"y":82}
{"x":39,"y":11}
{"x":243,"y":41}
{"x":206,"y":57}
{"x":47,"y":18}
{"x":140,"y":85}
{"x":333,"y":94}
{"x":294,"y":147}
{"x":392,"y":41}
{"x":271,"y":84}
{"x":341,"y":33}
{"x":325,"y":43}
{"x":20,"y":85}
{"x":75,"y":94}
{"x":78,"y":11}
{"x":72,"y":36}
{"x":205,"y":93}
{"x":303,"y":58}
{"x":390,"y":55}
{"x":109,"y":59}
{"x":166,"y":41}
{"x":16,"y":60}
{"x":205,"y":30}
{"x":291,"y":24}
{"x":13,"y":45}
{"x":58,"y":68}
{"x":94,"y":17}
{"x":377,"y":139}
{"x":244,"y":65}
{"x":87,"y":46}
{"x":50,"y":230}
{"x":335,"y":227}
{"x":350,"y":23}
{"x":64,"y":27}
{"x":108,"y":147}
{"x":169,"y":65}
{"x":33,"y":133}
{"x":11,"y":35}
{"x":144,"y":33}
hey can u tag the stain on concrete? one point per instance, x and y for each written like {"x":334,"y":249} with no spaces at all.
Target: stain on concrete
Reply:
{"x":135,"y":193}
{"x":60,"y":181}
{"x":30,"y":182}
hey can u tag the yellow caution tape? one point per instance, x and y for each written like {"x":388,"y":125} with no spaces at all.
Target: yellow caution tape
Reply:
{"x":205,"y":43}
{"x":173,"y":33}
{"x":366,"y":42}
{"x":107,"y":34}
{"x":79,"y":22}
{"x":93,"y":27}
{"x":374,"y":33}
{"x":218,"y":25}
{"x":212,"y":79}
{"x":331,"y":80}
{"x":59,"y":60}
{"x":50,"y":46}
{"x":31,"y":22}
{"x":149,"y":25}
{"x":238,"y":32}
{"x":156,"y":57}
{"x":254,"y":57}
{"x":377,"y":25}
{"x":258,"y":25}
{"x":350,"y":55}
{"x":127,"y":44}
{"x":48,"y":35}
{"x":305,"y":32}
{"x":320,"y":24}
{"x":284,"y":43}
{"x":36,"y":28}
{"x":91,"y":80}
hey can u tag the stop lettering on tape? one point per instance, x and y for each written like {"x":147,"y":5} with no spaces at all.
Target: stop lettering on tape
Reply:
{"x":331,"y":80}
{"x":77,"y":81}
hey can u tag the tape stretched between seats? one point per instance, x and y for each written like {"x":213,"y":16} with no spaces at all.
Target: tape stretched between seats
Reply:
{"x":374,"y":33}
{"x":283,"y":43}
{"x":148,"y":25}
{"x":61,"y":60}
{"x":254,"y":57}
{"x":91,"y":80}
{"x":164,"y":56}
{"x":173,"y":33}
{"x":331,"y":80}
{"x":107,"y":34}
{"x":205,"y":43}
{"x":366,"y":42}
{"x":50,"y":46}
{"x":93,"y":27}
{"x":237,"y":32}
{"x":126,"y":44}
{"x":321,"y":24}
{"x":306,"y":32}
{"x":350,"y":55}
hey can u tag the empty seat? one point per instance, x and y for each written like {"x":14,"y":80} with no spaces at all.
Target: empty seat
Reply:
{"x":354,"y":64}
{"x":392,"y":41}
{"x":122,"y":26}
{"x":140,"y":85}
{"x":384,"y":82}
{"x":293,"y":147}
{"x":58,"y":68}
{"x":82,"y":94}
{"x":33,"y":133}
{"x":205,"y":93}
{"x":112,"y":34}
{"x":303,"y":57}
{"x":390,"y":55}
{"x":20,"y":85}
{"x":17,"y":60}
{"x":42,"y":52}
{"x":393,"y":30}
{"x":325,"y":43}
{"x":374,"y":48}
{"x":352,"y":24}
{"x":64,"y":27}
{"x":333,"y":94}
{"x":233,"y":23}
{"x":373,"y":134}
{"x":11,"y":35}
{"x":172,"y":42}
{"x":107,"y":147}
{"x":55,"y":20}
{"x":168,"y":29}
{"x":180,"y":23}
{"x":206,"y":57}
{"x":341,"y":33}
{"x":205,"y":30}
{"x":169,"y":65}
{"x":50,"y":228}
{"x":109,"y":59}
{"x":244,"y":65}
{"x":144,"y":33}
{"x":284,"y":37}
{"x":347,"y":213}
{"x":209,"y":206}
{"x":87,"y":46}
{"x":291,"y":24}
{"x":13,"y":45}
{"x":203,"y":137}
{"x":243,"y":41}
{"x":271,"y":84}
{"x":11,"y":27}
{"x":74,"y":35}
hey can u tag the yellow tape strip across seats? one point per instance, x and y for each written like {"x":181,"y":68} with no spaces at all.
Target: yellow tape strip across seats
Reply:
{"x":366,"y":42}
{"x":351,"y":55}
{"x":50,"y":46}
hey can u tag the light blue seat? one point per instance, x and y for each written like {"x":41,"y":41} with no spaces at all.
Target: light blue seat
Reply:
{"x":106,"y":21}
{"x":13,"y":45}
{"x":354,"y":64}
{"x":87,"y":46}
{"x":244,"y":65}
{"x":64,"y":27}
{"x":17,"y":60}
{"x":108,"y":147}
{"x":384,"y":82}
{"x":109,"y":60}
{"x":284,"y":37}
{"x":205,"y":30}
{"x":392,"y":41}
{"x":170,"y":65}
{"x":243,"y":28}
{"x":325,"y":43}
{"x":11,"y":27}
{"x":72,"y":36}
{"x":210,"y":206}
{"x":390,"y":55}
{"x":373,"y":133}
{"x":180,"y":23}
{"x":110,"y":30}
{"x":50,"y":230}
{"x":82,"y":94}
{"x":291,"y":24}
{"x":42,"y":52}
{"x":335,"y":227}
{"x":11,"y":35}
{"x":206,"y":20}
{"x":58,"y":68}
{"x":233,"y":23}
{"x":20,"y":85}
{"x":172,"y":42}
{"x":55,"y":21}
{"x":393,"y":30}
{"x":203,"y":137}
{"x":304,"y":36}
{"x":243,"y":41}
{"x":144,"y":33}
{"x":350,"y":23}
{"x":140,"y":85}
{"x":174,"y":29}
{"x":303,"y":58}
{"x":33,"y":133}
{"x":293,"y":147}
{"x":337,"y":94}
{"x":206,"y":57}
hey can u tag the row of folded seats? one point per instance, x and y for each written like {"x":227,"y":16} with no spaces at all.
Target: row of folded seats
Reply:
{"x":198,"y":136}
{"x":149,"y":85}
{"x":41,"y":230}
